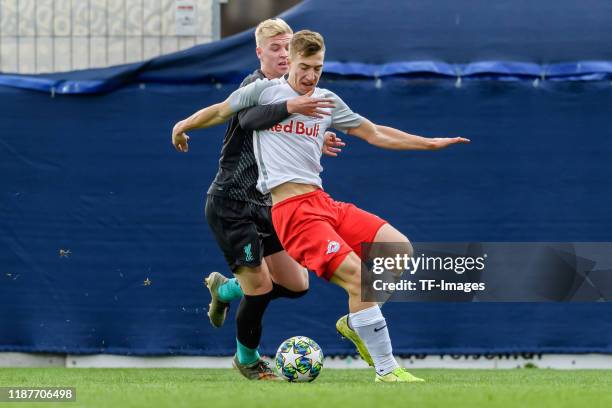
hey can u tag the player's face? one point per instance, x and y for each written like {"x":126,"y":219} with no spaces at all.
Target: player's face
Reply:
{"x":305,"y":72}
{"x":273,"y":55}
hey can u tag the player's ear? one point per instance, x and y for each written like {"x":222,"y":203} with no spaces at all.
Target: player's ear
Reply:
{"x":258,"y":51}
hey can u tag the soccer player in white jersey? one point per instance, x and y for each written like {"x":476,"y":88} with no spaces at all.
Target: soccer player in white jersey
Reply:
{"x":322,"y":234}
{"x":240,"y":216}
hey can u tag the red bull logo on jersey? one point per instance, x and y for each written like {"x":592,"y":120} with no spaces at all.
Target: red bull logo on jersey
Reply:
{"x":297,"y":128}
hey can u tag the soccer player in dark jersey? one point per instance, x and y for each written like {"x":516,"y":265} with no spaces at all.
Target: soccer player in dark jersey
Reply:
{"x":239,"y":215}
{"x":322,"y":234}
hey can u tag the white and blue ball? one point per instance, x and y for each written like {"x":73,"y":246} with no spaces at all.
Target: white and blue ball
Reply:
{"x":299,"y":359}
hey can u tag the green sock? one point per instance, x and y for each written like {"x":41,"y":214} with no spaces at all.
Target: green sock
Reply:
{"x":229,"y":291}
{"x":246,"y":355}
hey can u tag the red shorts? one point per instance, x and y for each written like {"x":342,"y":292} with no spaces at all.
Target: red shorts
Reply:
{"x":319,"y":232}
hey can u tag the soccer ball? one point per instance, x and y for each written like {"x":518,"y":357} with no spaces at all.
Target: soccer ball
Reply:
{"x":299,"y":359}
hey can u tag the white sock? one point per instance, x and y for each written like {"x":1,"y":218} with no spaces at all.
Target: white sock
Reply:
{"x":371,"y":326}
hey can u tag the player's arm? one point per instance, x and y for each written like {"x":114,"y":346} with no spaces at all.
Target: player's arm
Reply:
{"x":391,"y":138}
{"x":207,"y":117}
{"x":218,"y":113}
{"x":204,"y":118}
{"x":263,"y":116}
{"x":343,"y":118}
{"x":266,"y":116}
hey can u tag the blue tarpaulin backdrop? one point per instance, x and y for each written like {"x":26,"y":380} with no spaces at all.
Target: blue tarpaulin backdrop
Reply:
{"x":501,"y":38}
{"x":103,"y":244}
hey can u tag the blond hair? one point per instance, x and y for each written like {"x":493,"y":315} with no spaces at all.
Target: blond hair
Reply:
{"x":306,"y":43}
{"x":271,"y":28}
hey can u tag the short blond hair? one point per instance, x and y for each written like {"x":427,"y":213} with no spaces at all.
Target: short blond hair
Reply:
{"x":306,"y":43}
{"x":271,"y":28}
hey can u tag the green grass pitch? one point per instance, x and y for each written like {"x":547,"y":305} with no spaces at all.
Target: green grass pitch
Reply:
{"x":216,"y":388}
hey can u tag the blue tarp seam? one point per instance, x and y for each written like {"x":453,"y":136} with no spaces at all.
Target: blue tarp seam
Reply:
{"x":486,"y":70}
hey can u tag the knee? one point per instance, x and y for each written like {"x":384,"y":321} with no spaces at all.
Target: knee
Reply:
{"x":402,"y":248}
{"x":256,"y":287}
{"x":405,"y":246}
{"x":409,"y":248}
{"x":253,"y":281}
{"x":398,"y":242}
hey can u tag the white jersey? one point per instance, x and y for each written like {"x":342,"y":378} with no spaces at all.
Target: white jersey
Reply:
{"x":291,"y":150}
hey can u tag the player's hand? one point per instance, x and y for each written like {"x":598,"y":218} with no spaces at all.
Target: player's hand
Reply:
{"x":442,"y":142}
{"x":180,"y":139}
{"x":309,"y":106}
{"x":332,"y":144}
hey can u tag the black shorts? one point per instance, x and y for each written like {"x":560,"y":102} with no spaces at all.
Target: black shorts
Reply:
{"x":243,"y":230}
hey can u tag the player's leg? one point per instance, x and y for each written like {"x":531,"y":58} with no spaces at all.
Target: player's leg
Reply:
{"x":356,"y":227}
{"x":399,"y":244}
{"x":257,"y":285}
{"x":396,"y":244}
{"x":387,"y":233}
{"x":234,"y":230}
{"x":229,"y":238}
{"x":313,"y":242}
{"x":367,"y":320}
{"x":289,"y":278}
{"x":222,"y":292}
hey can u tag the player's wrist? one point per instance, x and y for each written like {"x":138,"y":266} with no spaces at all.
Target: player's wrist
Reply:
{"x":432,"y":144}
{"x":179,"y":128}
{"x":291,"y":106}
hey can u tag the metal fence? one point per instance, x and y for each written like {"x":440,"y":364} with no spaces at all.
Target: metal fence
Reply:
{"x":38,"y":36}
